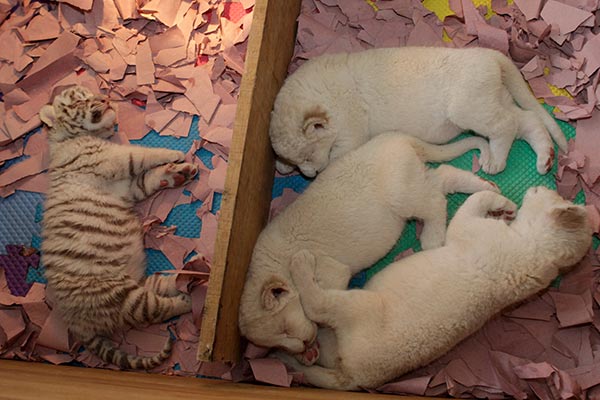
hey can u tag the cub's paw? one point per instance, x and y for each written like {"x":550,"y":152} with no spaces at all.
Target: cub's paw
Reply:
{"x":506,"y":211}
{"x":545,"y":161}
{"x":304,"y":259}
{"x":303,"y":265}
{"x":175,"y":156}
{"x":177,"y":174}
{"x":182,"y":303}
{"x":491,"y":166}
{"x":310,"y":355}
{"x":491,"y":186}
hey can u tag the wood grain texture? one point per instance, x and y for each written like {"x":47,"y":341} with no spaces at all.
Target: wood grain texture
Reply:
{"x":247,"y":194}
{"x":34,"y":381}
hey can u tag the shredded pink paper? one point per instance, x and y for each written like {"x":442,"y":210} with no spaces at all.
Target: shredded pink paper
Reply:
{"x":546,"y":347}
{"x":162,"y":62}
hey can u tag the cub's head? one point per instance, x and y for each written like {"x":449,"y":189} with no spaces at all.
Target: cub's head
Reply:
{"x":302,"y":133}
{"x":565,"y":226}
{"x":271,"y":314}
{"x":76,"y":111}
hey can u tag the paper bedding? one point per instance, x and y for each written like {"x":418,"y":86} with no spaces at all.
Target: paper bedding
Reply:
{"x":174,"y":68}
{"x":547,"y":347}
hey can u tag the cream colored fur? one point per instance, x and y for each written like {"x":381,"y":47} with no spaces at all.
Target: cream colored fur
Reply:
{"x":353,"y":213}
{"x":335,"y":103}
{"x":416,"y":309}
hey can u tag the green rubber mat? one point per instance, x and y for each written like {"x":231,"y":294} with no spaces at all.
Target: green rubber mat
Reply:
{"x":520,"y":174}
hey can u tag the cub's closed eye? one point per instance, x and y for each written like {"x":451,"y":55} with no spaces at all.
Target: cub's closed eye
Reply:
{"x":96,"y":115}
{"x":319,"y":126}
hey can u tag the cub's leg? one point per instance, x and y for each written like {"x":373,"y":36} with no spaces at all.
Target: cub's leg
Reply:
{"x":334,"y":308}
{"x":434,"y":211}
{"x":340,"y":310}
{"x":162,"y":177}
{"x":162,"y":284}
{"x":471,"y":217}
{"x":124,"y":162}
{"x":484,"y":203}
{"x":332,"y":274}
{"x":488,"y":116}
{"x":532,"y":129}
{"x":453,"y":180}
{"x":143,"y":306}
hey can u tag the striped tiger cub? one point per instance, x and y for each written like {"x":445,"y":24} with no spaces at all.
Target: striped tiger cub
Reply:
{"x":93,"y":247}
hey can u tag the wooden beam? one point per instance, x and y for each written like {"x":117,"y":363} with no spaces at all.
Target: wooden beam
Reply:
{"x":247,"y":194}
{"x":33,"y":381}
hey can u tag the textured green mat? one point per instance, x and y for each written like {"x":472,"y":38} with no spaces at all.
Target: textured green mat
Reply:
{"x":519,"y":175}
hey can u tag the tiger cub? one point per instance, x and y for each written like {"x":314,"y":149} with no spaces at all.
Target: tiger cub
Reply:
{"x":93,"y":247}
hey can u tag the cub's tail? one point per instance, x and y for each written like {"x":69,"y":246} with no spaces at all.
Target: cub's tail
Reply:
{"x":520,"y":92}
{"x":105,"y":349}
{"x":447,"y":152}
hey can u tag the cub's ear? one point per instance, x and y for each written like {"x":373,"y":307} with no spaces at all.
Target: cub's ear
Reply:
{"x":47,"y":115}
{"x":570,"y":217}
{"x":314,"y":122}
{"x":274,"y":294}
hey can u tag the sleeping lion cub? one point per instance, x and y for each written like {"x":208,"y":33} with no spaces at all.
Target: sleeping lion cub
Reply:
{"x":416,"y":309}
{"x":335,"y":103}
{"x":353,"y":213}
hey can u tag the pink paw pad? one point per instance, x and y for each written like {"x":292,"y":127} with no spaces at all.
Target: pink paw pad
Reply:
{"x":180,"y":173}
{"x":501,"y":213}
{"x":311,"y":354}
{"x":550,"y":160}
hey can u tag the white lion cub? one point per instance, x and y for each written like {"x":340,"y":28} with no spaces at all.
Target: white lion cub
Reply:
{"x":352,"y":213}
{"x":419,"y":307}
{"x":334,"y":103}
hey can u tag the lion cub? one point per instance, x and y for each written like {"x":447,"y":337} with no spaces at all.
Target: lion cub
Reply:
{"x":334,"y":103}
{"x":353,"y":213}
{"x":416,"y":309}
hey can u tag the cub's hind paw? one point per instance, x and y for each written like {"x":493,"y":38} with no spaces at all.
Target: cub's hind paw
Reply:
{"x":506,"y":212}
{"x":178,"y":175}
{"x":545,"y":162}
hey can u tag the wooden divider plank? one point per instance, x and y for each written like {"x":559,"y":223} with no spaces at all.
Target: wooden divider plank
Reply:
{"x":249,"y":181}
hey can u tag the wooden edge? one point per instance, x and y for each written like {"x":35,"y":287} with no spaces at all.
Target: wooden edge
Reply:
{"x":249,"y":181}
{"x":33,"y":381}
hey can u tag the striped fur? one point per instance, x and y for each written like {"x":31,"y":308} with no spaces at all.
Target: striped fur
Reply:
{"x":92,"y":245}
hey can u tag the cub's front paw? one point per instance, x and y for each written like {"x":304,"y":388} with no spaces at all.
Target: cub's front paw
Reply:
{"x":303,"y":266}
{"x":177,"y":174}
{"x":310,"y":355}
{"x":175,"y":156}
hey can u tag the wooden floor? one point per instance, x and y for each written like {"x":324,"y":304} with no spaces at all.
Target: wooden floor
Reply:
{"x":27,"y":380}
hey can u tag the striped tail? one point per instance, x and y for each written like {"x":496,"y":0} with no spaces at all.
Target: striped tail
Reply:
{"x":105,"y":349}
